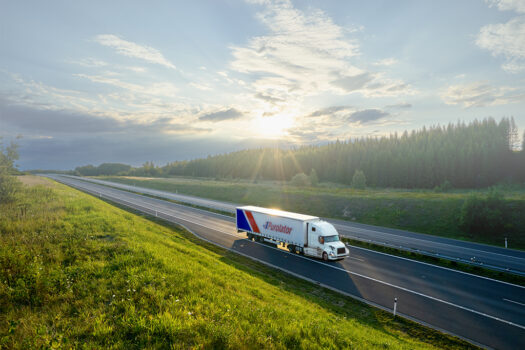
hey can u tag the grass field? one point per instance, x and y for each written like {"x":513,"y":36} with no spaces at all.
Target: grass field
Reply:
{"x":414,"y":210}
{"x":78,"y":272}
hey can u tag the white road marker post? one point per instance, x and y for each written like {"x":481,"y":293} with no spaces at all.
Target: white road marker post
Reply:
{"x":505,"y":242}
{"x":395,"y":306}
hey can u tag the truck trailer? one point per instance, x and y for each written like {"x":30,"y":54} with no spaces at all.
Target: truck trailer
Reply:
{"x":301,"y":234}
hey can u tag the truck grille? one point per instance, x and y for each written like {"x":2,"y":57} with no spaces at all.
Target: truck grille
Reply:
{"x":341,"y":250}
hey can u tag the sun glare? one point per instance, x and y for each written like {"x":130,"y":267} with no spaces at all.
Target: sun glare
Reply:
{"x":274,"y":126}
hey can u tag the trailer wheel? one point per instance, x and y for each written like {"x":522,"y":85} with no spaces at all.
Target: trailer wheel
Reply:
{"x":291,"y":248}
{"x":325,"y":256}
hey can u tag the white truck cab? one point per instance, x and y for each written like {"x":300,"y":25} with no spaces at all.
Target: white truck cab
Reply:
{"x":323,"y":241}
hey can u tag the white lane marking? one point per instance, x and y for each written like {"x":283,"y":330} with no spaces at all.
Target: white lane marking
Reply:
{"x":351,"y":257}
{"x":404,"y":238}
{"x":515,"y":302}
{"x":205,"y":202}
{"x":377,"y":252}
{"x":155,"y":193}
{"x":153,"y":206}
{"x":344,"y":226}
{"x":365,"y":277}
{"x":399,"y":257}
{"x":167,"y":195}
{"x":437,"y":266}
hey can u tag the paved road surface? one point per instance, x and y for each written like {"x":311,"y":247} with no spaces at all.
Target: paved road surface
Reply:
{"x":497,"y":258}
{"x":482,"y":310}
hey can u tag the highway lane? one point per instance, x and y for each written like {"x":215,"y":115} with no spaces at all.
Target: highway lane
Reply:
{"x":496,"y":258}
{"x":479,"y":309}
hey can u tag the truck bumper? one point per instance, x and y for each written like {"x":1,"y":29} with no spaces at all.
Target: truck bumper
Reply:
{"x":337,"y":257}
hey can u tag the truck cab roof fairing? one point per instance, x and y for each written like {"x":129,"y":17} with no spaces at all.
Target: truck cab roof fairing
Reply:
{"x":280,"y":213}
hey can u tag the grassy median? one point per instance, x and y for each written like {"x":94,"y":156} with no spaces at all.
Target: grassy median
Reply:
{"x":78,"y":272}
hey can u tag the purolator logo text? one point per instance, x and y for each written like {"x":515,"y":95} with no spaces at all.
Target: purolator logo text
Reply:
{"x":277,"y":228}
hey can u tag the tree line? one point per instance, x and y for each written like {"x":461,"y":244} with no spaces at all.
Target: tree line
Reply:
{"x":478,"y":154}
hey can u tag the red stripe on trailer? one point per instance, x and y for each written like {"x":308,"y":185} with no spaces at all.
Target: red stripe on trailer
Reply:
{"x":253,"y":224}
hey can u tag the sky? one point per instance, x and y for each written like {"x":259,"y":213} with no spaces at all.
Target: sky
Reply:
{"x":88,"y":82}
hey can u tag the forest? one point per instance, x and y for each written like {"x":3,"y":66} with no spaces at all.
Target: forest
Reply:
{"x":474,"y":155}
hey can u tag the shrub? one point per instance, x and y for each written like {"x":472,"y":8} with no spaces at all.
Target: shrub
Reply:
{"x":359,"y":180}
{"x":300,"y":179}
{"x":444,"y":187}
{"x":484,"y":216}
{"x":314,"y":180}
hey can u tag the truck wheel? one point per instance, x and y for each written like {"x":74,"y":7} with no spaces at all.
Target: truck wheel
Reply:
{"x":325,"y":256}
{"x":291,"y":248}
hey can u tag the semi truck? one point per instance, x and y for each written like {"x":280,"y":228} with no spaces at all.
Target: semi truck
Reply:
{"x":301,"y":234}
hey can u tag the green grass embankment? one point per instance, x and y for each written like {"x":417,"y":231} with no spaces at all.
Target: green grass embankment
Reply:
{"x":414,"y":210}
{"x":76,"y":272}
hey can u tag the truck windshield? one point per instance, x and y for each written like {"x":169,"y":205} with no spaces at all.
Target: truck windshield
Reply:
{"x":331,"y":238}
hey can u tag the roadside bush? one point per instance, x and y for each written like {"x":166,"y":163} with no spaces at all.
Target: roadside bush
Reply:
{"x":444,"y":187}
{"x":314,"y":179}
{"x":359,"y":180}
{"x":301,"y":180}
{"x":9,"y":185}
{"x":484,"y":216}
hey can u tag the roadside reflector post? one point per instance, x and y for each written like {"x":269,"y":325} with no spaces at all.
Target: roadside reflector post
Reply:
{"x":505,"y":242}
{"x":395,"y":306}
{"x":156,"y":214}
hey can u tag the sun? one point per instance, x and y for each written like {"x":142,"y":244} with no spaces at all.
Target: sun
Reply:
{"x":274,"y":126}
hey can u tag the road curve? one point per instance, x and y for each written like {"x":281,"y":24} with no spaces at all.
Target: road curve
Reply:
{"x":482,"y":310}
{"x":492,"y":257}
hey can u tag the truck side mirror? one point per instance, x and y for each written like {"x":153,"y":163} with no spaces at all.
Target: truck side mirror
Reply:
{"x":321,"y":240}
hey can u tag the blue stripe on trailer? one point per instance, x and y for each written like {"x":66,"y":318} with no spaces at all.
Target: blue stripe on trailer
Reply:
{"x":242,"y":223}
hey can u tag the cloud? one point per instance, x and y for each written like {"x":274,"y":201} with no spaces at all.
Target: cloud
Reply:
{"x":159,"y":88}
{"x":506,"y":40}
{"x":508,"y":5}
{"x":58,"y":122}
{"x":385,"y":62}
{"x":305,"y":53}
{"x":89,"y":62}
{"x":131,"y":49}
{"x":228,"y":114}
{"x":144,"y":102}
{"x":268,"y":98}
{"x":55,"y":122}
{"x":354,"y":82}
{"x":367,"y":116}
{"x":203,"y":87}
{"x":402,"y":105}
{"x":329,"y":111}
{"x":481,"y":94}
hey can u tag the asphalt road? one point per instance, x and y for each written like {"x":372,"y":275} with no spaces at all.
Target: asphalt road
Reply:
{"x":482,"y":310}
{"x":496,"y":258}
